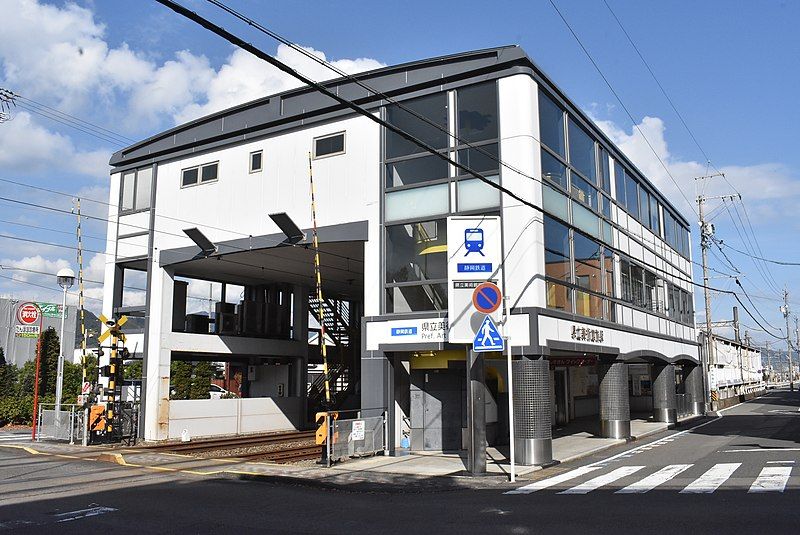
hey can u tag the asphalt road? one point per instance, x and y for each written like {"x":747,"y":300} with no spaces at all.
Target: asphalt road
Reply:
{"x":736,"y":474}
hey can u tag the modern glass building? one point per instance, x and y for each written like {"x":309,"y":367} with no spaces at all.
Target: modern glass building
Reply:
{"x":596,"y":261}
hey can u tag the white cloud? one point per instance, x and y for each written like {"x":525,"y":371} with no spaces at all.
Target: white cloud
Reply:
{"x":768,"y":189}
{"x":28,"y":147}
{"x":244,"y":77}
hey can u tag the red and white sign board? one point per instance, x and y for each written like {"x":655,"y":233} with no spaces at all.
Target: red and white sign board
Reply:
{"x":86,"y":387}
{"x":28,"y":314}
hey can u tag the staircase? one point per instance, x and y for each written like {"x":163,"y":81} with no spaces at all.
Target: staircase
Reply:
{"x":341,"y":328}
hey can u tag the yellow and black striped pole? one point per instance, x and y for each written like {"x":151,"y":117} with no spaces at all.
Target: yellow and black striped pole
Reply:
{"x":80,"y":293}
{"x":318,"y":277}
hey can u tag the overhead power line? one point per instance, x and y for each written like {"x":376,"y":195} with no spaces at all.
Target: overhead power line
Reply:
{"x":624,"y":107}
{"x":770,"y":260}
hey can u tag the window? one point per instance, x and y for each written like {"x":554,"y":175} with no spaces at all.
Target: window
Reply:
{"x":587,"y":262}
{"x":581,"y":151}
{"x":432,"y":107}
{"x":584,"y":192}
{"x":605,"y":177}
{"x":256,"y":161}
{"x":208,"y":172}
{"x":481,"y":159}
{"x":655,"y":225}
{"x":556,"y":250}
{"x":416,"y":267}
{"x":632,"y":195}
{"x":477,"y":112}
{"x":475,"y":194}
{"x":329,"y":145}
{"x":553,"y":170}
{"x":416,"y":203}
{"x":416,"y":252}
{"x":551,"y":125}
{"x":644,"y":207}
{"x":619,"y":184}
{"x":136,"y":189}
{"x":415,"y":171}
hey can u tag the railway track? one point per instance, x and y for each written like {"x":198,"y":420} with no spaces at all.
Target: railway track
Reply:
{"x":287,"y":455}
{"x":231,"y":443}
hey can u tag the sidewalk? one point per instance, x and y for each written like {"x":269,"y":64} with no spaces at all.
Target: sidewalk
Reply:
{"x":407,"y":472}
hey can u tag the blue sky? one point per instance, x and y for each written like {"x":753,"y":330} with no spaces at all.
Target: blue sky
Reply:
{"x":136,"y":68}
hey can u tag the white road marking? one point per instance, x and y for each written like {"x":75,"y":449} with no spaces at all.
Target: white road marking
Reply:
{"x":83,"y":513}
{"x":712,"y":479}
{"x":771,"y":479}
{"x":654,"y":480}
{"x":605,"y":479}
{"x":760,"y":450}
{"x":780,"y":462}
{"x":555,"y":480}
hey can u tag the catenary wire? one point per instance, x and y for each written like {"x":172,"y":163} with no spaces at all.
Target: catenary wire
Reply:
{"x":622,"y":104}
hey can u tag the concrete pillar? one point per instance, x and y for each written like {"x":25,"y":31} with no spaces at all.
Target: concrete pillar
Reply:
{"x":157,"y":358}
{"x":299,"y":369}
{"x":615,"y":409}
{"x":693,"y":379}
{"x":476,"y":413}
{"x":665,"y":408}
{"x":533,"y":433}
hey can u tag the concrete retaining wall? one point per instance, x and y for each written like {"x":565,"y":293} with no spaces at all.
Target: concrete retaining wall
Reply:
{"x":211,"y":417}
{"x":734,"y":400}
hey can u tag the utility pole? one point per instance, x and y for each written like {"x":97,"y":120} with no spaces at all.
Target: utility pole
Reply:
{"x":769,"y":364}
{"x":706,"y":237}
{"x":785,"y":310}
{"x":797,"y":343}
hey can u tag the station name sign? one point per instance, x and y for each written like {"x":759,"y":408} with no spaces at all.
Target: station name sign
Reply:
{"x":585,"y":334}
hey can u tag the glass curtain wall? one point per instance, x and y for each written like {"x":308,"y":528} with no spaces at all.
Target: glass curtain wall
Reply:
{"x":421,"y":189}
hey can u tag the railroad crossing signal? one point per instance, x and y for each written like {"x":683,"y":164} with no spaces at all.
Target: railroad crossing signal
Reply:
{"x":114,"y":328}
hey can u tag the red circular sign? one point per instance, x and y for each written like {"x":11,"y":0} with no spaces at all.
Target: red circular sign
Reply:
{"x":28,"y":313}
{"x":486,"y":298}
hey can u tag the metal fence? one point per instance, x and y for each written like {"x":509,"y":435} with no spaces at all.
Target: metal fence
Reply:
{"x":68,"y":424}
{"x":355,"y":437}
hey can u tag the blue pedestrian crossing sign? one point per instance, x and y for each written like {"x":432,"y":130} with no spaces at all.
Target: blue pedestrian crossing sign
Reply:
{"x":488,"y":338}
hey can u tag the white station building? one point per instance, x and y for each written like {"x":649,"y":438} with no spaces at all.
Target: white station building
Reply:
{"x":594,"y":260}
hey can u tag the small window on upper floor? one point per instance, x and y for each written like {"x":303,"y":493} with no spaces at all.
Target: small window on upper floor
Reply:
{"x":136,"y":189}
{"x":329,"y":145}
{"x":191,"y":176}
{"x":256,"y":161}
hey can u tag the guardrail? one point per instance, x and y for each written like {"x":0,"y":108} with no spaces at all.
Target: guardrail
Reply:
{"x":67,"y":424}
{"x":354,"y":437}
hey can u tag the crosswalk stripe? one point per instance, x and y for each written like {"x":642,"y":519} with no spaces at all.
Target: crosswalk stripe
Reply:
{"x":712,"y":479}
{"x":654,"y":480}
{"x":771,"y":479}
{"x":555,"y":480}
{"x":605,"y":479}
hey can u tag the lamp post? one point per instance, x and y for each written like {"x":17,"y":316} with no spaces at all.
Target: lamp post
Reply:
{"x":66,"y":278}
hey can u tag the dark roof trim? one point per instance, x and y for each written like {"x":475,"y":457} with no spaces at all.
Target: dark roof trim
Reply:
{"x":355,"y":231}
{"x":303,"y":106}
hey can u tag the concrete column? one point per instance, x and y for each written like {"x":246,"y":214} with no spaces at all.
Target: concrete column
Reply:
{"x":299,"y":369}
{"x":476,"y":413}
{"x":693,"y":379}
{"x":533,"y":433}
{"x":157,"y":358}
{"x":665,"y":408}
{"x":615,"y":410}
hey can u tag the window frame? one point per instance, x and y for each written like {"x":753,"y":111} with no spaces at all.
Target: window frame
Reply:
{"x":121,"y":210}
{"x":200,"y":180}
{"x":315,"y":156}
{"x":250,"y":162}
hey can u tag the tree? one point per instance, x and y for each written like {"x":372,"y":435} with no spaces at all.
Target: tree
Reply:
{"x":201,"y":382}
{"x":49,"y":362}
{"x":133,"y":370}
{"x":8,"y":376}
{"x":180,"y":379}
